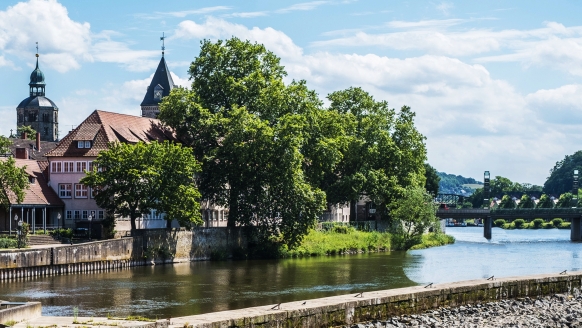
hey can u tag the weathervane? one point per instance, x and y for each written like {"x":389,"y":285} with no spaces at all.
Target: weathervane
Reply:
{"x":37,"y":49}
{"x":163,"y":43}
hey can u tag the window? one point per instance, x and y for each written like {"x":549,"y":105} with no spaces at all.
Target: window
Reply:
{"x":31,"y":180}
{"x":65,"y":190}
{"x":69,"y":215}
{"x":81,"y":166}
{"x":91,"y":193}
{"x":45,"y":118}
{"x":77,"y":215}
{"x":100,"y":215}
{"x":80,"y":144}
{"x":80,"y":190}
{"x":90,"y":166}
{"x":87,"y":144}
{"x":56,"y":167}
{"x":85,"y":215}
{"x":68,"y":167}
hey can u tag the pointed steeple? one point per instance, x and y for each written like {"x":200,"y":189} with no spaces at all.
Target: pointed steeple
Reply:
{"x":37,"y":83}
{"x":160,"y":87}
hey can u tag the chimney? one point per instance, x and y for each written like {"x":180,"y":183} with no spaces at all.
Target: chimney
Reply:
{"x":38,"y":141}
{"x":24,"y":135}
{"x":22,"y":153}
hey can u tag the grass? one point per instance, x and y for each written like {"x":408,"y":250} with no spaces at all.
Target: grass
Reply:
{"x":348,"y":240}
{"x":332,"y":242}
{"x":434,"y":239}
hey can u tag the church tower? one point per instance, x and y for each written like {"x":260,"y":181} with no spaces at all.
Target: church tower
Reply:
{"x":38,"y":111}
{"x":160,"y":87}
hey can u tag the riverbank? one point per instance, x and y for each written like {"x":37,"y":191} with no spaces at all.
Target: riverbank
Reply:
{"x":498,"y":302}
{"x":558,"y":310}
{"x":347,"y":240}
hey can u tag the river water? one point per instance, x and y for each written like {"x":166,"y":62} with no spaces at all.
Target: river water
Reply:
{"x":201,"y":287}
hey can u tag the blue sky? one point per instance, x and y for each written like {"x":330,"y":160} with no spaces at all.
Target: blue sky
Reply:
{"x":496,"y":85}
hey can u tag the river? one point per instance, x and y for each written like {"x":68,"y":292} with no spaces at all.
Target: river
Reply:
{"x":199,"y":287}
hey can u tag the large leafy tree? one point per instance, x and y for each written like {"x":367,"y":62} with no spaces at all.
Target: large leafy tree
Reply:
{"x":384,"y":152}
{"x":545,"y":202}
{"x":507,"y":202}
{"x":526,"y":202}
{"x":566,"y":201}
{"x":562,"y":174}
{"x":413,"y":213}
{"x":13,"y":180}
{"x":132,"y":179}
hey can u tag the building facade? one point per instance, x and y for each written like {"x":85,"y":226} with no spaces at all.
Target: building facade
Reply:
{"x":38,"y":111}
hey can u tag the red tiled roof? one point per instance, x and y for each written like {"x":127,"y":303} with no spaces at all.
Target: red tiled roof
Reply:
{"x":103,"y":127}
{"x":39,"y":192}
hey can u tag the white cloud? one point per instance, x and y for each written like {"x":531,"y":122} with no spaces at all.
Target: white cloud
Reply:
{"x":215,"y":28}
{"x":184,"y":13}
{"x":250,"y":14}
{"x":47,"y":22}
{"x":304,"y":6}
{"x":562,"y":105}
{"x":445,"y":7}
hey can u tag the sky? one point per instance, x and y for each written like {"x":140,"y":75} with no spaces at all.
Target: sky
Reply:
{"x":496,"y":85}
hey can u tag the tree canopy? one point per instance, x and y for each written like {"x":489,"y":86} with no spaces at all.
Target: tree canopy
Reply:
{"x":274,"y":155}
{"x":432,"y":179}
{"x":414,"y":213}
{"x":132,"y":179}
{"x":13,"y":179}
{"x":562,"y":174}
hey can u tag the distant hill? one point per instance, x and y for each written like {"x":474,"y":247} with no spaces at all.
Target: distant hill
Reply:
{"x":457,"y":184}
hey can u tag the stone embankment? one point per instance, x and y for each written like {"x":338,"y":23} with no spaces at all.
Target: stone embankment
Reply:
{"x":559,"y":310}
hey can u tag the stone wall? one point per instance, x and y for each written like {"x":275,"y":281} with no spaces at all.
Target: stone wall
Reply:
{"x":19,"y":312}
{"x":149,"y":247}
{"x":381,"y":305}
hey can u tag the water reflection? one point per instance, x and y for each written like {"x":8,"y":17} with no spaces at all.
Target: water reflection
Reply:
{"x":200,"y":287}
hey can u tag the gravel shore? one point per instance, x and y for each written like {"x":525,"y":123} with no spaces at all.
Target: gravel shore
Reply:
{"x":552,"y":311}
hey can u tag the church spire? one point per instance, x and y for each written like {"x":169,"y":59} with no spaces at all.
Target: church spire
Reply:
{"x":162,"y":38}
{"x":37,"y":83}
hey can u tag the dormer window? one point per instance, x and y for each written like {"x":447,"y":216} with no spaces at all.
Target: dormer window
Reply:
{"x":158,"y":92}
{"x":83,"y":144}
{"x":31,"y":180}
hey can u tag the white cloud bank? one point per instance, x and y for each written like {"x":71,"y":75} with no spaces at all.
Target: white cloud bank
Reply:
{"x":473,"y":122}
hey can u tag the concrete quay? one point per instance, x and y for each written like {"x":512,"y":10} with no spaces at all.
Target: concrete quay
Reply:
{"x":347,"y":310}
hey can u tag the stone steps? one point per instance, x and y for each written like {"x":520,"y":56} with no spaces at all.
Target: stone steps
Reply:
{"x":41,"y":240}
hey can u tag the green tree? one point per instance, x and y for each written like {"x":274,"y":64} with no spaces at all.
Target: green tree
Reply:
{"x":562,"y":174}
{"x":565,"y":201}
{"x":507,"y":202}
{"x":526,"y":202}
{"x":545,"y":202}
{"x":130,"y":180}
{"x":432,"y":179}
{"x":30,"y":132}
{"x":384,"y":154}
{"x":13,"y":179}
{"x":413,"y":213}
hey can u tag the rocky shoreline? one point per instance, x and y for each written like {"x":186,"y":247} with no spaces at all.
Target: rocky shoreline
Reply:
{"x":558,"y":310}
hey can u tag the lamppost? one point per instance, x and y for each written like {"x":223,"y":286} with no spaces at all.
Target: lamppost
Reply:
{"x":90,"y":223}
{"x":19,"y":232}
{"x":59,"y":226}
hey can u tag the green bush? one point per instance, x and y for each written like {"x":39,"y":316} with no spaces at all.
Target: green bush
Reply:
{"x":331,"y":243}
{"x":519,"y":223}
{"x":62,"y":233}
{"x":499,"y":223}
{"x":538,"y":223}
{"x":564,"y":225}
{"x":557,"y":222}
{"x":8,"y":243}
{"x":548,"y":225}
{"x":434,"y":239}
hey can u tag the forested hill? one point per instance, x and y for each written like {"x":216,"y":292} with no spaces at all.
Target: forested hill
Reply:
{"x":453,"y":184}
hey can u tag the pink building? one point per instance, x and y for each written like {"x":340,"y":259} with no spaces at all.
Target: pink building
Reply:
{"x":76,"y":152}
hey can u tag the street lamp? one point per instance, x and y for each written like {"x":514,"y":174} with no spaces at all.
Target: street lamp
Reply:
{"x":19,"y":232}
{"x":90,"y":224}
{"x":59,"y":226}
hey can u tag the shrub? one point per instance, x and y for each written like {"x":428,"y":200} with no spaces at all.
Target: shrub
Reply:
{"x":557,"y":222}
{"x":538,"y":223}
{"x":499,"y":223}
{"x":548,"y":225}
{"x":564,"y":225}
{"x":8,"y":243}
{"x":519,"y":223}
{"x":341,"y":229}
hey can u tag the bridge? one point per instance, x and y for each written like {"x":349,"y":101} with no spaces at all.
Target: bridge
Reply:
{"x":488,"y":215}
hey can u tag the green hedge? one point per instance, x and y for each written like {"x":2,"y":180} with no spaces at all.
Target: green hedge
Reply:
{"x":8,"y":243}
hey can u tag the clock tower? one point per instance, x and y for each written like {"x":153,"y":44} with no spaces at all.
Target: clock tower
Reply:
{"x":160,"y":87}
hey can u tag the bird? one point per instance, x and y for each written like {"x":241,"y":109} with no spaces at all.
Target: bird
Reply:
{"x":276,"y":307}
{"x":304,"y":303}
{"x":359,"y":295}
